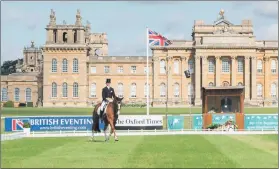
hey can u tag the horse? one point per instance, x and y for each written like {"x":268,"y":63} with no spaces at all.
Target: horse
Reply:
{"x":110,"y":117}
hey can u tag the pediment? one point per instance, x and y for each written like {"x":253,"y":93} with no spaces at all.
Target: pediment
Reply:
{"x":223,"y":22}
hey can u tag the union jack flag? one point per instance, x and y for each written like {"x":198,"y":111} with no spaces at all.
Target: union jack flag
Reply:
{"x":156,"y":39}
{"x":17,"y":124}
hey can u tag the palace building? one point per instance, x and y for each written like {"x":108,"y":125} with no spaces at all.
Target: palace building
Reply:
{"x":70,"y":69}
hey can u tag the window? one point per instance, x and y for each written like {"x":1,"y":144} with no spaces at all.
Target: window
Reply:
{"x":93,"y":69}
{"x":145,"y":90}
{"x":176,"y":66}
{"x":64,"y":65}
{"x":120,"y":69}
{"x":211,"y":66}
{"x":162,"y":67}
{"x":273,"y":66}
{"x":133,"y":90}
{"x":225,"y":83}
{"x":4,"y":95}
{"x":75,"y":89}
{"x":240,"y":65}
{"x":28,"y":95}
{"x":273,"y":90}
{"x":259,"y":90}
{"x":106,"y":69}
{"x":211,"y":84}
{"x":64,"y":90}
{"x":225,"y":65}
{"x":54,"y":65}
{"x":93,"y":90}
{"x":190,"y":91}
{"x":120,"y":91}
{"x":162,"y":90}
{"x":191,"y":66}
{"x":16,"y":95}
{"x":54,"y":90}
{"x":176,"y":90}
{"x":133,"y":69}
{"x":75,"y":65}
{"x":259,"y":66}
{"x":240,"y":84}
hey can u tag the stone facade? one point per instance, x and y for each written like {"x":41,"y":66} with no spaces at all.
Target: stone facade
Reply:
{"x":71,"y":68}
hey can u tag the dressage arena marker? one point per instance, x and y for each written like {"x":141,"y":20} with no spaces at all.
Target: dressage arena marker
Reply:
{"x":19,"y":135}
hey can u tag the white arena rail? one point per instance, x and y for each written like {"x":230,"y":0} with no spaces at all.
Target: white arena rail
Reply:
{"x":12,"y":136}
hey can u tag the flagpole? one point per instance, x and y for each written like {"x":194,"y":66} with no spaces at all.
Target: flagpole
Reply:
{"x":147,"y":74}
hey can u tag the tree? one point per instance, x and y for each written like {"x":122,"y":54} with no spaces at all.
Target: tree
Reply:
{"x":9,"y":66}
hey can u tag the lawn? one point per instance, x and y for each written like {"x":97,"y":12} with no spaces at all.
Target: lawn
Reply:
{"x":176,"y":151}
{"x":124,"y":111}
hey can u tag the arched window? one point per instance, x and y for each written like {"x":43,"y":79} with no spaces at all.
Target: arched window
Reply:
{"x":191,"y":66}
{"x":28,"y":95}
{"x":259,"y":90}
{"x":273,"y":90}
{"x":65,"y":90}
{"x":64,"y":65}
{"x":65,"y":37}
{"x":16,"y":95}
{"x":133,"y":90}
{"x":162,"y":66}
{"x":176,"y":66}
{"x":225,"y":65}
{"x":190,"y":91}
{"x":162,"y":90}
{"x":240,"y":84}
{"x":211,"y":84}
{"x":259,"y":66}
{"x":240,"y":65}
{"x":225,"y":83}
{"x":75,"y":65}
{"x":54,"y":65}
{"x":75,"y":89}
{"x":93,"y":90}
{"x":176,"y":90}
{"x":4,"y":95}
{"x":146,"y":90}
{"x":273,"y":66}
{"x":54,"y":90}
{"x":211,"y":65}
{"x":120,"y":90}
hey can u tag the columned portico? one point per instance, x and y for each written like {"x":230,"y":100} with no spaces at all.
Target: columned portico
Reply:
{"x":197,"y":81}
{"x":253,"y":79}
{"x":217,"y":70}
{"x":233,"y":71}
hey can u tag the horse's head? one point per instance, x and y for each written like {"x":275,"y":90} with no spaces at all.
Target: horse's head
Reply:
{"x":118,"y":101}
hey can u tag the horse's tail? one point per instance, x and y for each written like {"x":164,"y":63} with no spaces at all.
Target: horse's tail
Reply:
{"x":95,"y":126}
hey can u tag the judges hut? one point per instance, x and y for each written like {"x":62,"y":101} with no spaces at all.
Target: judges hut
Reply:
{"x":228,"y":100}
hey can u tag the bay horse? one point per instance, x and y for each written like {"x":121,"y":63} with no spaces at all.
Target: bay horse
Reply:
{"x":110,"y":116}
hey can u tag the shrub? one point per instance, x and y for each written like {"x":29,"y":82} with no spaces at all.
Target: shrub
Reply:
{"x":29,"y":104}
{"x":26,"y":125}
{"x":9,"y":104}
{"x":22,"y":105}
{"x":213,"y":126}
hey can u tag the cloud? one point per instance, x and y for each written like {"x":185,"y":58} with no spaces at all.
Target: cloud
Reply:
{"x":269,"y":32}
{"x":266,"y":9}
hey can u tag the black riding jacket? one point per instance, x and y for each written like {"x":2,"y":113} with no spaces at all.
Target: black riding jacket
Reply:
{"x":108,"y":93}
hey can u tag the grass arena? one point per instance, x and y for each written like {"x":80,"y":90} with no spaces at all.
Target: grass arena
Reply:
{"x":155,"y":149}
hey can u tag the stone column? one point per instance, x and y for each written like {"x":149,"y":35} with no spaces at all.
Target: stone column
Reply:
{"x":253,"y":78}
{"x":217,"y":70}
{"x":70,"y":35}
{"x":233,"y":71}
{"x":59,"y":36}
{"x":266,"y":79}
{"x":197,"y":81}
{"x":204,"y":71}
{"x":169,"y":78}
{"x":50,"y":36}
{"x":247,"y":78}
{"x":183,"y":84}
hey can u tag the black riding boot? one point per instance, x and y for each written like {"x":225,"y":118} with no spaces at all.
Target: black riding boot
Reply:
{"x":101,"y":116}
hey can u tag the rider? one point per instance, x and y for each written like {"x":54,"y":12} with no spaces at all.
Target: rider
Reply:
{"x":107,"y":94}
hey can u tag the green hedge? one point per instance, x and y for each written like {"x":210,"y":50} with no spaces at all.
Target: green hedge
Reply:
{"x":9,"y":104}
{"x":133,"y":105}
{"x":29,"y":104}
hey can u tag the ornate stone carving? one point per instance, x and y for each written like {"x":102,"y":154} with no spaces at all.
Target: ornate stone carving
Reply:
{"x":197,"y":57}
{"x":247,"y":57}
{"x":266,"y":58}
{"x":233,"y":57}
{"x":217,"y":57}
{"x":204,"y":58}
{"x":156,"y":58}
{"x":253,"y":57}
{"x":169,"y":58}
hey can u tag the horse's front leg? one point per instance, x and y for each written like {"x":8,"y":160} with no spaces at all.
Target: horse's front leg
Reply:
{"x":105,"y":132}
{"x":113,"y":131}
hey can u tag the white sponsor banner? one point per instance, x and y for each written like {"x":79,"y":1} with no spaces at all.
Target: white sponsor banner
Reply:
{"x":140,"y":120}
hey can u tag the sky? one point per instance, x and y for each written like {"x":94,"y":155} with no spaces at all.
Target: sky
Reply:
{"x":125,"y":22}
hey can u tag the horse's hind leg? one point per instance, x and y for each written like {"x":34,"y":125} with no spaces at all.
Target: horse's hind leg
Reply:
{"x":105,"y":132}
